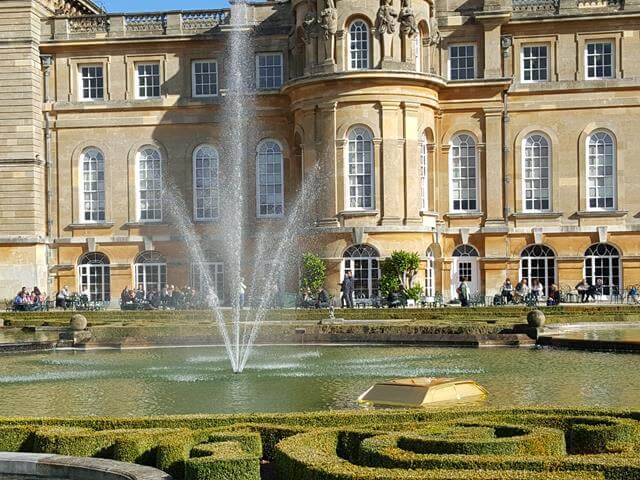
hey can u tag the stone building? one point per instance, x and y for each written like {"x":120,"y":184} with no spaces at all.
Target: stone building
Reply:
{"x":496,"y":139}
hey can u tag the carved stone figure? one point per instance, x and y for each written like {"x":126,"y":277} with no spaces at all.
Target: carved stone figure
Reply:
{"x":434,"y":32}
{"x":329,"y":19}
{"x":407,"y":18}
{"x":387,"y":18}
{"x":309,"y":24}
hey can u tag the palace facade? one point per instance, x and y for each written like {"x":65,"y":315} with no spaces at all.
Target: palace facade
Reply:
{"x":496,"y":138}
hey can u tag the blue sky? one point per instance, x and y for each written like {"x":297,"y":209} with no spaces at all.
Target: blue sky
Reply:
{"x":159,"y":5}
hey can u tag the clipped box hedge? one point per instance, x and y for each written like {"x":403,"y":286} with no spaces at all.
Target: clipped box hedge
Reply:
{"x":454,"y":444}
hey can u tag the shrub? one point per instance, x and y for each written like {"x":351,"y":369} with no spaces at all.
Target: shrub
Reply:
{"x":313,"y":274}
{"x":222,"y":461}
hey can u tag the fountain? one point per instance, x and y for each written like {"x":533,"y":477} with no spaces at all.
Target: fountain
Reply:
{"x":238,"y":232}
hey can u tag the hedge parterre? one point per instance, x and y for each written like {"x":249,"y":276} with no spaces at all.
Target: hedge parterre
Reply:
{"x":451,"y":444}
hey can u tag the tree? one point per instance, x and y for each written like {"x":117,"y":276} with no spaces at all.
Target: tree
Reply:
{"x":314,"y":273}
{"x":401,"y":269}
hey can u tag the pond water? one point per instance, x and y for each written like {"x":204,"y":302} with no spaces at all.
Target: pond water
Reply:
{"x":297,"y":378}
{"x":631,"y":334}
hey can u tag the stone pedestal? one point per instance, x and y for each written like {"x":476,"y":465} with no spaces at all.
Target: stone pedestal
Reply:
{"x":74,"y":337}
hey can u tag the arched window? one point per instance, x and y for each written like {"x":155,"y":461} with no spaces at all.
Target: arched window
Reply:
{"x":602,"y":268}
{"x":360,"y":190}
{"x":601,"y":172}
{"x":364,"y":263}
{"x":429,"y":274}
{"x":536,"y":173}
{"x":151,"y":271}
{"x":465,"y":267}
{"x":463,"y":174}
{"x":95,"y":276}
{"x":358,"y":46}
{"x":270,"y":173}
{"x":92,"y":203}
{"x":205,"y":182}
{"x":538,"y":262}
{"x":149,"y":168}
{"x":424,"y":173}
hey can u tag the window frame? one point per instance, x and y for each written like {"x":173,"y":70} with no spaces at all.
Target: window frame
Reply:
{"x":594,"y":41}
{"x":522,"y":59}
{"x":196,"y":217}
{"x":81,"y":79}
{"x":347,"y":175}
{"x":478,"y":195}
{"x":83,"y":191}
{"x":549,"y":174}
{"x":193,"y":78}
{"x":475,"y":61}
{"x":196,"y":275}
{"x":258,"y":183}
{"x":139,"y":190}
{"x":373,"y":281}
{"x":350,"y":51}
{"x":258,"y":77}
{"x":136,"y":65}
{"x":89,"y":269}
{"x":613,"y":261}
{"x":614,"y":173}
{"x":550,"y":265}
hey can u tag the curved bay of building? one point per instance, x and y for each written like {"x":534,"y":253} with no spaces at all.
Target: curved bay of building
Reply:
{"x":493,"y":138}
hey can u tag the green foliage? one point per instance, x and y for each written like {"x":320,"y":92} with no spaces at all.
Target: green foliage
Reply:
{"x":438,"y":444}
{"x":389,"y":283}
{"x":400,"y":269}
{"x":314,"y":273}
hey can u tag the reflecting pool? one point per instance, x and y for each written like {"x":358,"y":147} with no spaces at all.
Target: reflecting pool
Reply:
{"x":297,"y":378}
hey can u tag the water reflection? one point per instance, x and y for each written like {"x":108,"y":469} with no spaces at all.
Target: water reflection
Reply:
{"x":173,"y":381}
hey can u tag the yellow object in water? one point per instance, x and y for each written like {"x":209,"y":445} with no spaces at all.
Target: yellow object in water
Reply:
{"x":416,"y":392}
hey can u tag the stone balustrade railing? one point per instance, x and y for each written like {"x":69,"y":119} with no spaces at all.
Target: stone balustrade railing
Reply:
{"x":136,"y":25}
{"x":536,"y":6}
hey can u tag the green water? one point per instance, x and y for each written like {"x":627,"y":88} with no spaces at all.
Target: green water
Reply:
{"x":198,"y":380}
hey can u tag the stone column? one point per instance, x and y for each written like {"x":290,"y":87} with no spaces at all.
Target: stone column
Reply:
{"x":492,"y":22}
{"x":392,"y":195}
{"x":340,"y":49}
{"x":413,"y":190}
{"x":325,"y":147}
{"x":493,"y":168}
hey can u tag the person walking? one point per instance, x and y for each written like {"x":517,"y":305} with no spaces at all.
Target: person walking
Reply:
{"x":347,"y":289}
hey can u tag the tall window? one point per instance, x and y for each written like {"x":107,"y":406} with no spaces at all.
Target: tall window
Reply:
{"x":363,"y":261}
{"x":149,"y":163}
{"x":535,"y":63}
{"x":209,"y":275}
{"x":465,"y":256}
{"x":429,"y":274}
{"x":462,"y":62}
{"x":424,"y":173}
{"x":150,"y":271}
{"x":360,"y":169}
{"x":601,"y":172}
{"x":204,"y":78}
{"x":602,"y":267}
{"x":269,"y":70}
{"x":92,"y":82}
{"x":464,"y":174}
{"x":270,"y":174}
{"x":148,"y":80}
{"x":205,"y":181}
{"x":599,"y":61}
{"x":95,"y":276}
{"x":538,"y":262}
{"x":536,"y":173}
{"x":92,"y":203}
{"x":358,"y":46}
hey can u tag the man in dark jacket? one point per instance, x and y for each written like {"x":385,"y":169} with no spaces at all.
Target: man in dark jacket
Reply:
{"x":347,"y":289}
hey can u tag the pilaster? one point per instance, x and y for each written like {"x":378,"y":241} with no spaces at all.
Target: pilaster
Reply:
{"x":392,"y":163}
{"x":325,"y":147}
{"x":412,"y":167}
{"x":493,"y":165}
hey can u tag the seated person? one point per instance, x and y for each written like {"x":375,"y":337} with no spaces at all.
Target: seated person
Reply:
{"x":507,"y":291}
{"x":553,"y":300}
{"x":323,"y":299}
{"x":20,"y":303}
{"x":537,"y":289}
{"x":522,"y":290}
{"x":63,"y":298}
{"x":633,"y":295}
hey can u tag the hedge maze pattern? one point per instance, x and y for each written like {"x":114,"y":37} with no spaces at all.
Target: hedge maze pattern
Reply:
{"x":521,"y":444}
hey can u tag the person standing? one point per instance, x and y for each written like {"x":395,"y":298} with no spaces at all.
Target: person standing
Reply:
{"x":347,"y":289}
{"x":463,"y":293}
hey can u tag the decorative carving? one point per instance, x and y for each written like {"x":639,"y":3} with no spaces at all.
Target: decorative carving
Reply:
{"x":205,"y":20}
{"x":329,"y":25}
{"x":536,"y":6}
{"x":386,"y":18}
{"x":329,"y":19}
{"x":89,"y":24}
{"x":407,"y":18}
{"x":434,"y":31}
{"x":310,"y":23}
{"x":151,"y":22}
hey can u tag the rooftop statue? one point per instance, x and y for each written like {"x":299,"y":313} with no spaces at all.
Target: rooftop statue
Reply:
{"x":329,"y":19}
{"x":407,"y":19}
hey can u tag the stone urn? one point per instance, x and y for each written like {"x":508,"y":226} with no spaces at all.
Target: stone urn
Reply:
{"x":78,"y":323}
{"x":536,"y":319}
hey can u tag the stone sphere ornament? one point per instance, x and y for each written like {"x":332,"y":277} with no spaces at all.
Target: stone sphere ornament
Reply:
{"x":78,"y":322}
{"x":536,"y":319}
